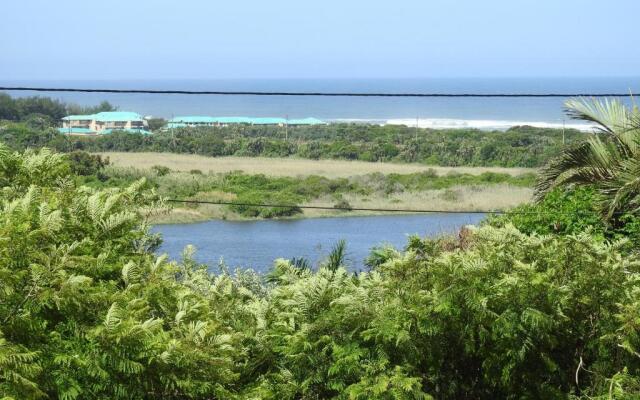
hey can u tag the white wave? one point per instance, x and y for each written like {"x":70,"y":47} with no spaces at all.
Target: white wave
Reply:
{"x":484,"y":124}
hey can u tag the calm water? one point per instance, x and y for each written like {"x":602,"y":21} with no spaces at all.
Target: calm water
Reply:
{"x":518,"y":109}
{"x":256,"y":244}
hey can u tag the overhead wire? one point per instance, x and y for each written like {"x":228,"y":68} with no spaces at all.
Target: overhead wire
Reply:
{"x":391,"y":210}
{"x":329,"y":94}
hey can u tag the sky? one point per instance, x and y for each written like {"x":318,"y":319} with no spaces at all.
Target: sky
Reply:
{"x":236,"y":39}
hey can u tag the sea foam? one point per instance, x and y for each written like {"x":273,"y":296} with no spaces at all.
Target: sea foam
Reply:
{"x":484,"y":124}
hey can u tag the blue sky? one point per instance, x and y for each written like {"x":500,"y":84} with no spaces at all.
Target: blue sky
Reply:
{"x":157,"y":39}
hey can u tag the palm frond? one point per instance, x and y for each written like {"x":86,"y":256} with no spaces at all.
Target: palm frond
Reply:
{"x":609,"y":115}
{"x":609,"y":162}
{"x":301,"y":263}
{"x":586,"y":163}
{"x":337,"y":257}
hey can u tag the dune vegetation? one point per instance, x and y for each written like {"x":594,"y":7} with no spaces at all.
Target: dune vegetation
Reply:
{"x":31,"y":122}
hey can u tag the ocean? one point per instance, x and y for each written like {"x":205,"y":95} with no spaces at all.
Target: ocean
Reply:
{"x":489,"y":113}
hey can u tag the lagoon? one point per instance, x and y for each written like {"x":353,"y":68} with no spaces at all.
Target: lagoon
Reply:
{"x":255,"y":244}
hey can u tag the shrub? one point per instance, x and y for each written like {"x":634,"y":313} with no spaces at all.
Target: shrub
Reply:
{"x":450,"y":195}
{"x":343,"y":205}
{"x":155,"y":124}
{"x":161,"y":170}
{"x":86,"y":164}
{"x":246,"y":200}
{"x":563,"y":212}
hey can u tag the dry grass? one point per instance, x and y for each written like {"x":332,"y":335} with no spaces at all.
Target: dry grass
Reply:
{"x":285,"y":166}
{"x":199,"y":212}
{"x":461,"y":198}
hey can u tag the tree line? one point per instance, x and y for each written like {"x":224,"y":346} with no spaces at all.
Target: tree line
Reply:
{"x":48,"y":110}
{"x":518,"y":147}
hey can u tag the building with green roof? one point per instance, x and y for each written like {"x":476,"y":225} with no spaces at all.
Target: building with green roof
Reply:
{"x":306,"y":121}
{"x":233,"y":120}
{"x":76,"y":131}
{"x":268,"y":121}
{"x":103,"y":123}
{"x":193,"y":121}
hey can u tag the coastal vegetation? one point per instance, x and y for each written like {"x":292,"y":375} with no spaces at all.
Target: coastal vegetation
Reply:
{"x":43,"y":111}
{"x":482,"y":190}
{"x":89,"y":311}
{"x":319,"y":167}
{"x":542,"y":302}
{"x":34,"y":121}
{"x":517,"y":147}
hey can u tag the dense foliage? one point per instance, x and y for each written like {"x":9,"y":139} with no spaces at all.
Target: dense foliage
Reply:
{"x":569,"y":212}
{"x":87,"y":310}
{"x":540,"y":303}
{"x":521,"y":146}
{"x":86,"y":164}
{"x":49,"y":111}
{"x":564,"y":212}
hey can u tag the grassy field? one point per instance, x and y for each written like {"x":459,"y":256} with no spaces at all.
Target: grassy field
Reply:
{"x":372,"y":184}
{"x":286,"y":166}
{"x":467,"y":198}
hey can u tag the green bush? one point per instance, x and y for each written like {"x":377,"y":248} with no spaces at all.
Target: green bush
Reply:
{"x":246,"y":208}
{"x":86,"y":164}
{"x":563,"y":212}
{"x":572,"y":211}
{"x":155,"y":124}
{"x":343,"y":205}
{"x":161,"y":170}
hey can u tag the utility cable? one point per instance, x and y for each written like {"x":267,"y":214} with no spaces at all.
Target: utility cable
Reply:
{"x":400,"y":210}
{"x":326,"y":94}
